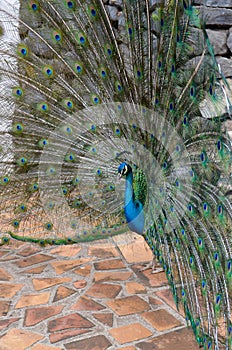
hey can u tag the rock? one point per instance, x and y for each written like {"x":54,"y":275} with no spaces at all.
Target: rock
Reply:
{"x":219,"y":17}
{"x":113,"y":12}
{"x":226,"y":65}
{"x":214,"y":3}
{"x":218,"y":40}
{"x":116,"y":2}
{"x":229,"y":40}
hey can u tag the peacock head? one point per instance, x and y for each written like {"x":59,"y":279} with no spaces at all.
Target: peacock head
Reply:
{"x":124,"y":169}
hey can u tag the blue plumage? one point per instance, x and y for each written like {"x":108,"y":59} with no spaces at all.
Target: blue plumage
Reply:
{"x":133,"y":208}
{"x":78,"y":89}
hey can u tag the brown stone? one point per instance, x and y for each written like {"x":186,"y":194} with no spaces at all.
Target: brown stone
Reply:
{"x":167,"y":297}
{"x":80,"y":284}
{"x":55,"y":337}
{"x":8,"y":290}
{"x":99,"y":342}
{"x":128,"y":305}
{"x":66,"y":250}
{"x":9,"y":257}
{"x":23,"y":339}
{"x":111,"y":276}
{"x":128,"y":348}
{"x":62,"y":266}
{"x":161,"y":320}
{"x":35,"y":270}
{"x":28,"y":250}
{"x":44,"y":347}
{"x":155,"y":301}
{"x":181,"y":339}
{"x":4,"y":275}
{"x":42,"y":283}
{"x":4,"y":307}
{"x":83,"y":270}
{"x":133,"y":247}
{"x":109,"y":264}
{"x":105,"y":318}
{"x":135,"y":288}
{"x":158,"y":279}
{"x":3,"y":252}
{"x":62,"y":293}
{"x":85,"y":303}
{"x":33,"y":299}
{"x":33,"y":260}
{"x":39,"y":314}
{"x":132,"y":332}
{"x":69,"y":321}
{"x":5,"y":323}
{"x":103,"y":290}
{"x":103,"y":251}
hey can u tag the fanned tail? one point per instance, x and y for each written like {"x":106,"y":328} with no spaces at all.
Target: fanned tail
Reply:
{"x":82,"y":92}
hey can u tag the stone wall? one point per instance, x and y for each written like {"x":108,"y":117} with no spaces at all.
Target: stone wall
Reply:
{"x":218,"y":17}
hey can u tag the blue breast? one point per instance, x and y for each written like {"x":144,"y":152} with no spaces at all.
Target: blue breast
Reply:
{"x":133,"y":209}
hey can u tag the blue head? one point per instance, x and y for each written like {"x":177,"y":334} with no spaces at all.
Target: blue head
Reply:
{"x":124,"y":169}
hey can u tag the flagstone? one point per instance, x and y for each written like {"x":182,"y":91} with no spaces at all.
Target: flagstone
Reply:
{"x":161,"y":320}
{"x":167,"y":297}
{"x":109,"y":264}
{"x":105,"y":318}
{"x":58,"y":336}
{"x":128,"y":305}
{"x":8,"y":290}
{"x":33,"y":299}
{"x":62,"y":266}
{"x":158,"y":279}
{"x":4,"y":307}
{"x":133,"y":247}
{"x":83,"y":270}
{"x":5,"y":323}
{"x":181,"y":339}
{"x":66,"y":250}
{"x":4,"y":252}
{"x":155,"y":301}
{"x":111,"y":276}
{"x":9,"y":257}
{"x":35,"y":270}
{"x":42,"y":283}
{"x":87,"y":304}
{"x":103,"y":290}
{"x":129,"y":333}
{"x":28,"y":250}
{"x":62,"y":293}
{"x":103,"y":251}
{"x":135,"y":288}
{"x":23,"y":339}
{"x":39,"y":314}
{"x":69,"y":321}
{"x":44,"y":347}
{"x":33,"y":260}
{"x":4,"y":275}
{"x":80,"y":284}
{"x":99,"y":342}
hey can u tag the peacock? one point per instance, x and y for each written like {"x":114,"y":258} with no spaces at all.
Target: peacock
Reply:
{"x":90,"y":91}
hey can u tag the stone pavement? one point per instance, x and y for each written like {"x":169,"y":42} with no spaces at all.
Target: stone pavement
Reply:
{"x":88,"y":296}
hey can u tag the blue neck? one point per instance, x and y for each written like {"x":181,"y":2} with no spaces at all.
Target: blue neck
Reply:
{"x":129,"y":191}
{"x":133,"y":209}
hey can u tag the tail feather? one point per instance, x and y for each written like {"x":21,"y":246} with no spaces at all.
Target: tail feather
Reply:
{"x":80,"y":93}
